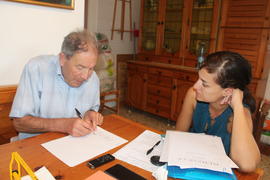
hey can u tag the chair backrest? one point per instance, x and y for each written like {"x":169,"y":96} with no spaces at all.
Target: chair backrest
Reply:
{"x":7,"y":130}
{"x":109,"y":97}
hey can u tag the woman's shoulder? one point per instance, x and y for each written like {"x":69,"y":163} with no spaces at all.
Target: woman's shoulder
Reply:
{"x":191,"y":97}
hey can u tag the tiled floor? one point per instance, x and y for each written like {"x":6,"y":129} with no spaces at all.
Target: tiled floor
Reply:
{"x":162,"y":125}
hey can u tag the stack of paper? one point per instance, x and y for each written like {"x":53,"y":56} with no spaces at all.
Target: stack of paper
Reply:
{"x":192,"y":150}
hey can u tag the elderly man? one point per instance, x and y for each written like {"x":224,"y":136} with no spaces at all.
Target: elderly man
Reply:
{"x":52,"y":88}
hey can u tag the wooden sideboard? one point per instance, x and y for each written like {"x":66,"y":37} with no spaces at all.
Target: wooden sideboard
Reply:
{"x":158,"y":88}
{"x":7,"y":131}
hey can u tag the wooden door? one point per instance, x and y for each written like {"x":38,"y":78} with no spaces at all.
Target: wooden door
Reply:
{"x":178,"y":96}
{"x":172,"y":16}
{"x":200,"y":30}
{"x":149,"y":26}
{"x":137,"y":85}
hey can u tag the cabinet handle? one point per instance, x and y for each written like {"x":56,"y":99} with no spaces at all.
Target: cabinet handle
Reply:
{"x":158,"y":101}
{"x":174,"y":86}
{"x":159,"y":72}
{"x":161,"y":22}
{"x":158,"y":91}
{"x":187,"y":77}
{"x":170,"y":61}
{"x":146,"y":58}
{"x":158,"y":23}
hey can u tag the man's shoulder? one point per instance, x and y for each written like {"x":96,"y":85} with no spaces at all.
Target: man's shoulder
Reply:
{"x":42,"y":60}
{"x":42,"y":64}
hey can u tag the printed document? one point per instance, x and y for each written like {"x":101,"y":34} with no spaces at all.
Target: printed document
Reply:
{"x":75,"y":150}
{"x":193,"y":150}
{"x":135,"y":152}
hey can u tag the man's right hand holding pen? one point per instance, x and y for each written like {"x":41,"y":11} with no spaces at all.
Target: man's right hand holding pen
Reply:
{"x":85,"y":124}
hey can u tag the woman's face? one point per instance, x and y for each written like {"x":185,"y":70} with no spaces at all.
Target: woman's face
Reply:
{"x":207,"y":89}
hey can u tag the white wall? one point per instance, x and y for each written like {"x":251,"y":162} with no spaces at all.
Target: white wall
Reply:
{"x":100,"y":18}
{"x":30,"y":30}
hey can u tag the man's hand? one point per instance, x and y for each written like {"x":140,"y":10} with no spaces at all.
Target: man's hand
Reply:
{"x":94,"y":118}
{"x":78,"y":127}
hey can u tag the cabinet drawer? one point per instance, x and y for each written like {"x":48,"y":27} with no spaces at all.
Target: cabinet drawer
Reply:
{"x":160,"y":80}
{"x":186,"y":76}
{"x":161,"y":72}
{"x":164,"y":112}
{"x":159,"y":101}
{"x":159,"y":91}
{"x":138,"y":68}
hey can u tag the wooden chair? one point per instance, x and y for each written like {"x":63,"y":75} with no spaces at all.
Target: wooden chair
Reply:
{"x":108,"y":97}
{"x":7,"y":130}
{"x":259,"y":116}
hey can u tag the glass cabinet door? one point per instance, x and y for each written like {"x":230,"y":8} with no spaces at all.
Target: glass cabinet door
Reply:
{"x":172,"y":26}
{"x":201,"y":24}
{"x":149,"y":25}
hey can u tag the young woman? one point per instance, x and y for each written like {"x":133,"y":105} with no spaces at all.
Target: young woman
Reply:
{"x":220,"y":104}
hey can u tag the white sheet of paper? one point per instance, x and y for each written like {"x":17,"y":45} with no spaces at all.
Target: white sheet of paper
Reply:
{"x":192,"y":150}
{"x":42,"y":174}
{"x":75,"y":150}
{"x":135,"y":152}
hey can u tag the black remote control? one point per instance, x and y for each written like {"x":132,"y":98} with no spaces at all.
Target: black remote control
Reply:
{"x":100,"y":161}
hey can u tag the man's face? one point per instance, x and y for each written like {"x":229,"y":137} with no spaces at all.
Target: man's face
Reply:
{"x":79,"y":67}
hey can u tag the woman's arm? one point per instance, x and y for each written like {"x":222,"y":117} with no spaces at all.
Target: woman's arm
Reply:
{"x":244,"y":150}
{"x":185,"y":117}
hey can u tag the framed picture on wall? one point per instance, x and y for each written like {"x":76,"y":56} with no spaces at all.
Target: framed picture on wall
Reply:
{"x":66,"y":4}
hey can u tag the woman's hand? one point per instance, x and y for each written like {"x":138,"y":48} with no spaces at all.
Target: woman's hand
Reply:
{"x":234,"y":98}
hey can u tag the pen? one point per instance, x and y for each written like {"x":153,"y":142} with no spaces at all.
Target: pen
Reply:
{"x":79,"y":114}
{"x":150,"y":150}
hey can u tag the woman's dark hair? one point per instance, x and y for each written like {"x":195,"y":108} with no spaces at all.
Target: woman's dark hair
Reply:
{"x":233,"y":71}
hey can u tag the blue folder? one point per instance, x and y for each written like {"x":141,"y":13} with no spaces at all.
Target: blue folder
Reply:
{"x":198,"y":174}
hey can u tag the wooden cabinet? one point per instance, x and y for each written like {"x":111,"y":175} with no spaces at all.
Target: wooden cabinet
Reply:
{"x":137,"y":86}
{"x":183,"y":81}
{"x":245,"y":29}
{"x":174,"y":31}
{"x":159,"y":95}
{"x":158,"y":89}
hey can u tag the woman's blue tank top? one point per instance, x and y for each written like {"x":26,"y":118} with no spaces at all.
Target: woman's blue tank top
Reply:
{"x":202,"y":123}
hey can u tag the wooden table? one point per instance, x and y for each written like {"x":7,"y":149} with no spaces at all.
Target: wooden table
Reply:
{"x":36,"y":156}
